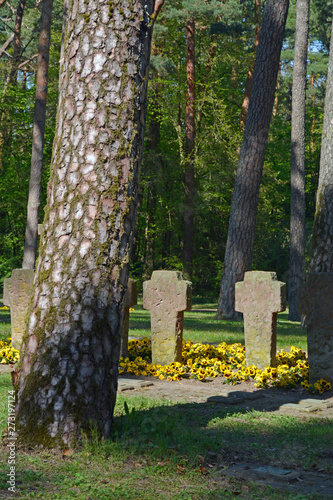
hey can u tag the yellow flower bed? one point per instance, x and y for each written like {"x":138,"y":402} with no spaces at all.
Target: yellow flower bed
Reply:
{"x":204,"y":361}
{"x":8,"y":355}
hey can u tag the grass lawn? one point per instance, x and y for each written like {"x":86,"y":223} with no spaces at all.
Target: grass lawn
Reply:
{"x":172,"y":451}
{"x":200,"y":325}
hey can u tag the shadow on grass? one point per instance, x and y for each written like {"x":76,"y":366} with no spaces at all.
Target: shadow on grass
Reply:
{"x":158,"y":445}
{"x":225,"y":434}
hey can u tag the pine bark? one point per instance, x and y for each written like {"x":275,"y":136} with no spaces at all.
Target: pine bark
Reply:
{"x":71,"y":347}
{"x":321,"y":256}
{"x":297,"y":176}
{"x":35,"y":185}
{"x":189,"y":150}
{"x":242,"y":223}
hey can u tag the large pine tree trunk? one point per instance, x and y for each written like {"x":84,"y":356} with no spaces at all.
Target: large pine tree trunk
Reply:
{"x":321,"y":256}
{"x":242,"y":223}
{"x":71,"y":348}
{"x":297,"y":178}
{"x":35,"y":185}
{"x":189,"y":150}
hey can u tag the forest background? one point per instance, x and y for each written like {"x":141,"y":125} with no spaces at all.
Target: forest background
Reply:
{"x":224,"y":53}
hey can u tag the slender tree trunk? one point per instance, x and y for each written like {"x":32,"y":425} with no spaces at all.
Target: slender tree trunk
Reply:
{"x":35,"y":186}
{"x":242,"y":223}
{"x":297,"y":177}
{"x":17,"y":40}
{"x":313,"y":123}
{"x":152,"y":148}
{"x":276,"y":98}
{"x":321,"y":256}
{"x":249,"y":79}
{"x":70,"y":350}
{"x":11,"y":78}
{"x":189,"y":150}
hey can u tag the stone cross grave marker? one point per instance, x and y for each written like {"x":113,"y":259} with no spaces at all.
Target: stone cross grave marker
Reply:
{"x":131,"y":299}
{"x":260,"y":297}
{"x":315,"y":300}
{"x":7,"y":290}
{"x":16,"y":296}
{"x":167,"y":295}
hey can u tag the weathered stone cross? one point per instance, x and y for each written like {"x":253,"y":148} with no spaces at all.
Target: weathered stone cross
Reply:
{"x":315,"y":300}
{"x":260,"y":297}
{"x":167,"y":296}
{"x":16,"y":295}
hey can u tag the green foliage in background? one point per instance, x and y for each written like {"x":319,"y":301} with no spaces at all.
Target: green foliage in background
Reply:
{"x":224,"y":51}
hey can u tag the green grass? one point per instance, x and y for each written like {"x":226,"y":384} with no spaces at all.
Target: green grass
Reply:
{"x":173,"y":451}
{"x":200,"y":325}
{"x":5,"y":329}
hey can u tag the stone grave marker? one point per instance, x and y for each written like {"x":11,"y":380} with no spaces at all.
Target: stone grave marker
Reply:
{"x":131,"y":299}
{"x":315,"y":300}
{"x":260,"y":297}
{"x":7,"y":287}
{"x":16,"y":296}
{"x":167,"y":295}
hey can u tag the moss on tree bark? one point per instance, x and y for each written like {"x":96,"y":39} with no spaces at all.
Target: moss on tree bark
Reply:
{"x":71,"y":347}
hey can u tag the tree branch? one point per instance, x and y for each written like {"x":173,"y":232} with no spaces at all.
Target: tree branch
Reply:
{"x":27,"y":61}
{"x":6,"y":44}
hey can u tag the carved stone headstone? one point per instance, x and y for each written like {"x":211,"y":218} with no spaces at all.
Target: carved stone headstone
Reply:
{"x":260,"y":297}
{"x":131,"y":299}
{"x":315,"y":300}
{"x":167,"y":295}
{"x":16,"y":296}
{"x":7,"y":288}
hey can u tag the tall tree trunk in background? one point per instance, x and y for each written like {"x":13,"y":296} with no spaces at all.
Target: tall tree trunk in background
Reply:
{"x":154,"y":160}
{"x":276,"y":98}
{"x":321,"y":256}
{"x":70,"y":350}
{"x":189,"y":150}
{"x":249,"y":79}
{"x":35,"y":186}
{"x":297,"y":173}
{"x":17,"y":40}
{"x":242,"y":223}
{"x":11,"y":78}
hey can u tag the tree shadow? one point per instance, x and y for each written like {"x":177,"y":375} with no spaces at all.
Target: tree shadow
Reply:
{"x":225,"y":430}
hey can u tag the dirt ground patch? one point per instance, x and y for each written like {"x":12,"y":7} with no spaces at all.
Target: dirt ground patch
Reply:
{"x":297,"y":402}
